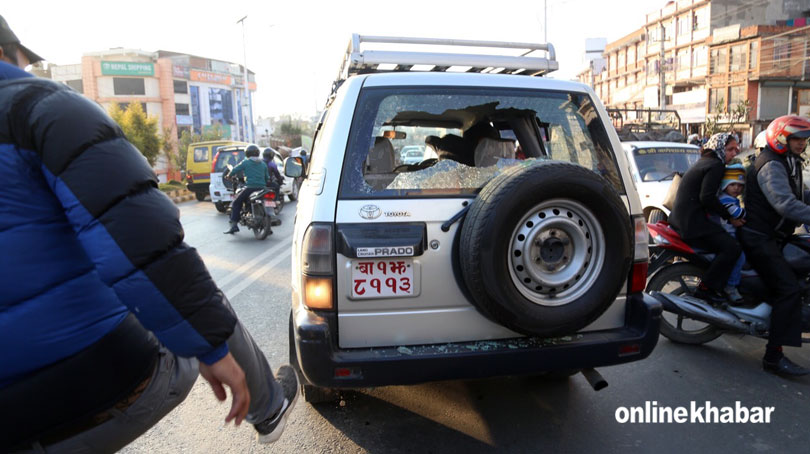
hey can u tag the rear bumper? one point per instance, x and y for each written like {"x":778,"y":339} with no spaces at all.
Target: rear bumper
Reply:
{"x":198,"y":187}
{"x":318,"y":355}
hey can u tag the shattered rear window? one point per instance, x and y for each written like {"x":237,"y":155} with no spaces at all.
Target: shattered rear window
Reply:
{"x":469,"y":135}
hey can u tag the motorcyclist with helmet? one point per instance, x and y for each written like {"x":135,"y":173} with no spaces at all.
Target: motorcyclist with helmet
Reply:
{"x":775,"y":200}
{"x":256,"y":177}
{"x":276,"y":180}
{"x":696,"y":200}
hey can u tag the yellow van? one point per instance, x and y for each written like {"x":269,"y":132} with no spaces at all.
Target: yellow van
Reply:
{"x":198,"y":164}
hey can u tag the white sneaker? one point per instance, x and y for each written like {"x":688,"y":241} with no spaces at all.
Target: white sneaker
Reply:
{"x":271,"y":429}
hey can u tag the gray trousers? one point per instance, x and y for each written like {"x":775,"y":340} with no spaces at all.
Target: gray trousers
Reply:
{"x":170,"y":384}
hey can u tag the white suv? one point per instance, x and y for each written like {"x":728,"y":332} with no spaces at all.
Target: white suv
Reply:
{"x":521,"y":249}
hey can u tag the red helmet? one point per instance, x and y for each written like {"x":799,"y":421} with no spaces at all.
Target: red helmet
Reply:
{"x":784,"y":128}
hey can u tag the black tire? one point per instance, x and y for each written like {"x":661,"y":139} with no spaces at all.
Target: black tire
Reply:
{"x":312,"y":394}
{"x":264,"y":230}
{"x":587,"y":248}
{"x":200,"y":196}
{"x":221,"y":206}
{"x":655,"y":216}
{"x":295,"y":188}
{"x":678,"y":279}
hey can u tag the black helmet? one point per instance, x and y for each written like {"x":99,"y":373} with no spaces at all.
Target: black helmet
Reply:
{"x":268,"y":153}
{"x":252,"y":151}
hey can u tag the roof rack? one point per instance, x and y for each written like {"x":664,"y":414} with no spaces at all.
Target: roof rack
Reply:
{"x":359,"y":61}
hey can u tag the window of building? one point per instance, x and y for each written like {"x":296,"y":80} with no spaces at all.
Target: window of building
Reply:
{"x":752,"y":62}
{"x":125,"y":105}
{"x":737,"y":60}
{"x":683,"y":60}
{"x":781,"y":50}
{"x":669,"y":29}
{"x":699,"y":56}
{"x":631,"y":55}
{"x":77,"y":85}
{"x":699,"y":19}
{"x":128,"y":86}
{"x":180,"y":86}
{"x":684,"y":25}
{"x":652,"y":67}
{"x":719,"y":60}
{"x":718,"y":100}
{"x":181,"y":109}
{"x":736,"y":96}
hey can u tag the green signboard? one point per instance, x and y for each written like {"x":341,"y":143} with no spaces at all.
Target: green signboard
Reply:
{"x":127,"y":68}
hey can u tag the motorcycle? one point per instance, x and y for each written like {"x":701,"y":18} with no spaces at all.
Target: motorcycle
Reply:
{"x":261,"y":213}
{"x":676,"y":269}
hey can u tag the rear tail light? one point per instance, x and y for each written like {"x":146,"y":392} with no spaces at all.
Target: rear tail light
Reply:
{"x":641,"y":255}
{"x":270,"y":196}
{"x":318,"y":268}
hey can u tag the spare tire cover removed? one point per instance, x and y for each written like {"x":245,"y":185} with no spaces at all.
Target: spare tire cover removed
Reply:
{"x":546,"y":248}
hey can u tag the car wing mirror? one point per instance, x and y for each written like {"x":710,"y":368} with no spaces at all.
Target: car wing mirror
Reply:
{"x":293,"y":167}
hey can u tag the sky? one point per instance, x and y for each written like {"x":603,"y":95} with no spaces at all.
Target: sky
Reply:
{"x":295,"y":47}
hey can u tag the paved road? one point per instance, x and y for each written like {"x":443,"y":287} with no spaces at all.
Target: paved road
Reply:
{"x":516,"y":414}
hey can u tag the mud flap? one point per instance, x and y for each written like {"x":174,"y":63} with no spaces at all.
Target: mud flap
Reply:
{"x":700,"y":310}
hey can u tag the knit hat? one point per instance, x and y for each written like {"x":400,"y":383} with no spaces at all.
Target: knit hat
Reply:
{"x":735,"y":173}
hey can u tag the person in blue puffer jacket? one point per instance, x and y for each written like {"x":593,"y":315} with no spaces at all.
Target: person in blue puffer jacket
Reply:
{"x":106,"y":315}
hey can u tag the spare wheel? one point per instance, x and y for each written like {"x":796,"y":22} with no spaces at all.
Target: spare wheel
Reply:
{"x":546,"y":248}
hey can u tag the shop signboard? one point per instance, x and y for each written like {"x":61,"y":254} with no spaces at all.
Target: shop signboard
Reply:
{"x":214,"y":78}
{"x":127,"y":68}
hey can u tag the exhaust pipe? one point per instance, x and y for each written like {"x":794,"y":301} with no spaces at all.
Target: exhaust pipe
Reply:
{"x":595,"y":379}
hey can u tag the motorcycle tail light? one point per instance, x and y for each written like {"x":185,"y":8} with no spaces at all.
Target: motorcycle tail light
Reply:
{"x":270,"y":196}
{"x":317,"y":266}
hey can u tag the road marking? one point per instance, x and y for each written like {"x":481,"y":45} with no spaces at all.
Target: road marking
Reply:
{"x":244,"y":283}
{"x":284,"y":242}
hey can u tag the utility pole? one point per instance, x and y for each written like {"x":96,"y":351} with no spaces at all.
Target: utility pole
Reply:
{"x":245,"y":96}
{"x":545,"y":21}
{"x":661,"y":71}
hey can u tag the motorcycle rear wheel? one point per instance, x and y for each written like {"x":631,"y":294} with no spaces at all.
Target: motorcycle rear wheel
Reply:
{"x":261,"y":232}
{"x":679,"y":279}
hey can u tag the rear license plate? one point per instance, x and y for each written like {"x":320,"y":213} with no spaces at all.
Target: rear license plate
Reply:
{"x":382,"y":278}
{"x":269,"y":204}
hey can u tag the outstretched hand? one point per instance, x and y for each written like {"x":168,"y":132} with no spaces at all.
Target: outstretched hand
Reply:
{"x":227,"y":372}
{"x":737,"y":222}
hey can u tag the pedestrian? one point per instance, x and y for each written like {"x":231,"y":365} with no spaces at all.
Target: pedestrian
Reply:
{"x":106,"y":315}
{"x":697,"y":200}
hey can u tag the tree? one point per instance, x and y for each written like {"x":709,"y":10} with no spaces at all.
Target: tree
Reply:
{"x":739,"y":113}
{"x":712,"y":125}
{"x":140,"y":129}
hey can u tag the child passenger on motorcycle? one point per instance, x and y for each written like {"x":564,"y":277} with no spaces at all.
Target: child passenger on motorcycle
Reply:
{"x":731,"y":188}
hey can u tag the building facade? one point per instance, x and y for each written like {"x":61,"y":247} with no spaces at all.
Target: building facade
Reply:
{"x":184,"y":92}
{"x":713,"y":60}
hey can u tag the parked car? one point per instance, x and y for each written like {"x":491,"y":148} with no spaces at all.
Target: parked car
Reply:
{"x":479,"y":262}
{"x":199,"y":160}
{"x":653,"y":165}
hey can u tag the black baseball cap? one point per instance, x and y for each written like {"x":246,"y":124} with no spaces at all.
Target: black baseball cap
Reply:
{"x":8,"y":37}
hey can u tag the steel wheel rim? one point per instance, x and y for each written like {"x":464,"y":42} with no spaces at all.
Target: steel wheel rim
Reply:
{"x":556,"y":252}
